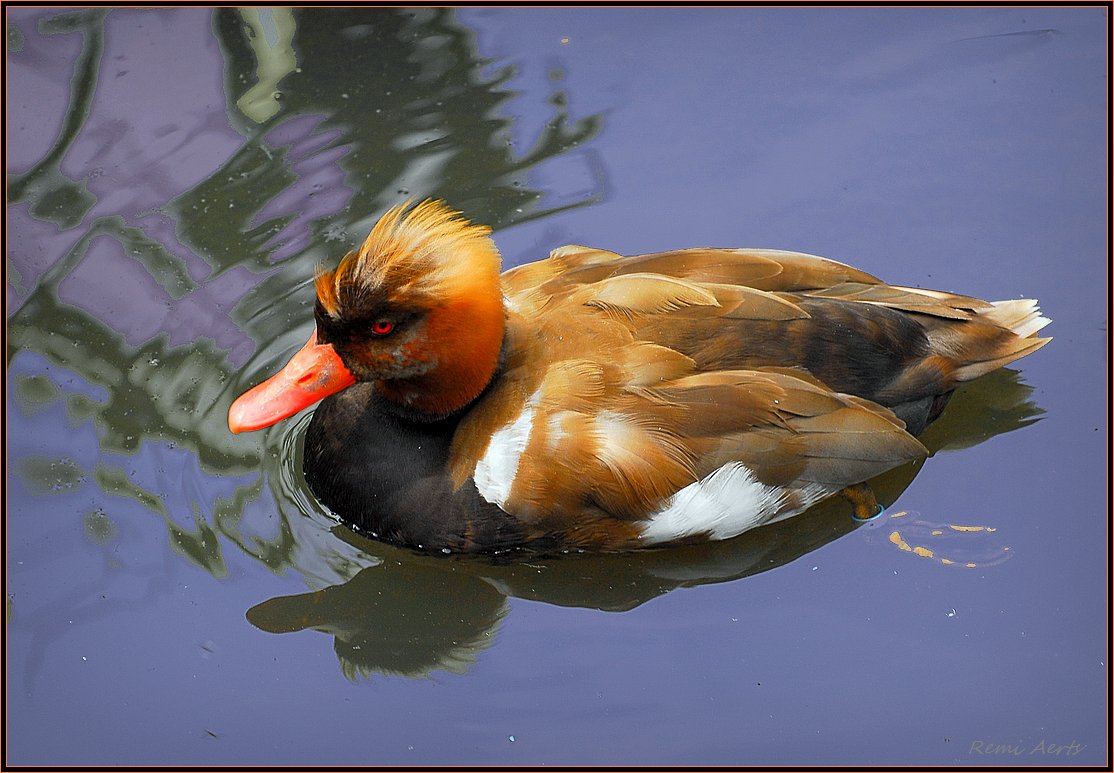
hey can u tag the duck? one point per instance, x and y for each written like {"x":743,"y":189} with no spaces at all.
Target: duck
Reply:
{"x":598,"y":402}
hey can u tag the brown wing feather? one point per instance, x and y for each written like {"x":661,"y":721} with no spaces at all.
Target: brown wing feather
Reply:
{"x":906,"y":299}
{"x":645,"y":294}
{"x":773,"y":270}
{"x":770,"y":270}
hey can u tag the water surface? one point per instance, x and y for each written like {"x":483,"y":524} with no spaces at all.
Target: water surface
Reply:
{"x":174,"y":595}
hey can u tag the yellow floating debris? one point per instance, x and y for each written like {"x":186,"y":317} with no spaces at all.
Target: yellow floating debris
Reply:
{"x":962,"y":542}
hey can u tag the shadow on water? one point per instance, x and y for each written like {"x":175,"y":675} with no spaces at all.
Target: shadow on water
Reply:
{"x":320,"y":156}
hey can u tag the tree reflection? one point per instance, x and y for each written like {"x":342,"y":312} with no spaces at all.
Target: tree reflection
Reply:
{"x":380,"y":105}
{"x":54,"y":196}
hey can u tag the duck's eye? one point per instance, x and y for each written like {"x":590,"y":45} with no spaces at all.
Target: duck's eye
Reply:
{"x":382,"y":327}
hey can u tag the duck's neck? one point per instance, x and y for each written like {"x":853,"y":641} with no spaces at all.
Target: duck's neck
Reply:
{"x":466,"y":340}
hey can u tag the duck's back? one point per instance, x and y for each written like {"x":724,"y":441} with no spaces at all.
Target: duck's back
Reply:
{"x":744,"y":309}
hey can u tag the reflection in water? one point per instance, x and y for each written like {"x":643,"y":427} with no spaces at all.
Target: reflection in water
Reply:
{"x":54,"y":196}
{"x":442,"y":609}
{"x":339,"y":113}
{"x":322,"y":154}
{"x":270,"y":33}
{"x":398,"y":617}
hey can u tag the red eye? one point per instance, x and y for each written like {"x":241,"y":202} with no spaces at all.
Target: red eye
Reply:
{"x":382,"y":326}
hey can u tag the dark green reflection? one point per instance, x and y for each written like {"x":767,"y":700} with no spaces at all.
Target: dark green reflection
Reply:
{"x":400,"y":90}
{"x":403,"y":616}
{"x":398,"y":104}
{"x":54,"y":196}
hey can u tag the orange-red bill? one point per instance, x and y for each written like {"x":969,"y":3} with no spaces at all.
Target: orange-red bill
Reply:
{"x":312,"y":374}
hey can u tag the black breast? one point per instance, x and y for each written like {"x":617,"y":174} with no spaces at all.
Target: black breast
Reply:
{"x":387,"y":476}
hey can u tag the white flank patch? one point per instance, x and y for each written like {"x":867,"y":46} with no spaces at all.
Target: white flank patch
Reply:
{"x":724,"y":504}
{"x":496,"y":471}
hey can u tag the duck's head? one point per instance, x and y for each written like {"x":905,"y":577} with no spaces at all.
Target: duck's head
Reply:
{"x":417,"y":310}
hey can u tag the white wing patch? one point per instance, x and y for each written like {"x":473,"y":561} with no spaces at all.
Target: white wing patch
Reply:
{"x":496,"y":471}
{"x":725,"y":504}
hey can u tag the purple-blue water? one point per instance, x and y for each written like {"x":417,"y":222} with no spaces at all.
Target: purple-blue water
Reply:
{"x":175,"y":596}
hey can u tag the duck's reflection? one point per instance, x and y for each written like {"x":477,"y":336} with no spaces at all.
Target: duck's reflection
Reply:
{"x":403,"y":616}
{"x":413,"y":614}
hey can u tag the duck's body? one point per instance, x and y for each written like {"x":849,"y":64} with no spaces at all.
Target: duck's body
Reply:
{"x":600,"y":402}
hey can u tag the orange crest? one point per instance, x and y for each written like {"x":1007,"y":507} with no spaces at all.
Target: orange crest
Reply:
{"x":425,"y":255}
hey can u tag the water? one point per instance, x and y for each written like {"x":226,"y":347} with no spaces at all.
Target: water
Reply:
{"x":174,"y":594}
